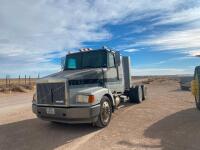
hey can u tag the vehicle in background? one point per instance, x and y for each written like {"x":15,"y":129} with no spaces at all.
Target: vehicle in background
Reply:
{"x":185,"y":83}
{"x":195,"y":84}
{"x":89,"y":88}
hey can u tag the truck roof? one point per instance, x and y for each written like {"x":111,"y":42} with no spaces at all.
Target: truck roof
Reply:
{"x":86,"y":51}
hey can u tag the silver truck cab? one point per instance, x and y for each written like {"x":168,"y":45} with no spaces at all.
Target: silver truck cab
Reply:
{"x":87,"y":90}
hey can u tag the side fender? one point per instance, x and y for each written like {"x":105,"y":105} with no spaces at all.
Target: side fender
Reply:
{"x":99,"y":92}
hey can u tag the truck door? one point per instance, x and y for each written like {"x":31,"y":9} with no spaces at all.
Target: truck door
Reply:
{"x":113,"y":75}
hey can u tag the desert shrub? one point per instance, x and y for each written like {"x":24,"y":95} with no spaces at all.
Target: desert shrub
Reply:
{"x":18,"y":88}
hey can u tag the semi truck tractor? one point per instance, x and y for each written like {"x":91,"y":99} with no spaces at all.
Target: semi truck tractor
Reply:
{"x":89,"y":88}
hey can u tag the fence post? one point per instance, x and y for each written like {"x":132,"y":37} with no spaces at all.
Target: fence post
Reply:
{"x":19,"y":79}
{"x":29,"y":80}
{"x":6,"y":80}
{"x":25,"y":79}
{"x":9,"y":83}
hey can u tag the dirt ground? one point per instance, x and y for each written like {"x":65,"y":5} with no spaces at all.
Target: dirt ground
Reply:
{"x":168,"y":120}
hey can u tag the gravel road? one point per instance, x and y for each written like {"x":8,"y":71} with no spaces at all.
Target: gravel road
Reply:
{"x":168,"y":120}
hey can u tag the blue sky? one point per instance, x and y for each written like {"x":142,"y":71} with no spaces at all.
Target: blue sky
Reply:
{"x":161,"y":37}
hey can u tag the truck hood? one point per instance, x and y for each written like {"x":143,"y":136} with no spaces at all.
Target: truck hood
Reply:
{"x":72,"y":75}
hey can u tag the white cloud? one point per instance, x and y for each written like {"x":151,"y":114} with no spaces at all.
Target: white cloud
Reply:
{"x":194,"y":52}
{"x":31,"y":30}
{"x":30,"y":69}
{"x":184,"y":41}
{"x":131,"y":50}
{"x":184,"y":16}
{"x":161,"y":71}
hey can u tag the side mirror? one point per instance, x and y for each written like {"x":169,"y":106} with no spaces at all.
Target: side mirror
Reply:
{"x":117,"y":58}
{"x":62,"y":63}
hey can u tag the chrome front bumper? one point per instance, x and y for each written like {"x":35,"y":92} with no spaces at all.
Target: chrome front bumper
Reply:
{"x":68,"y":114}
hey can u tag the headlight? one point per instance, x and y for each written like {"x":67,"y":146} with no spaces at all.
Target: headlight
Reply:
{"x":85,"y":98}
{"x":34,"y":98}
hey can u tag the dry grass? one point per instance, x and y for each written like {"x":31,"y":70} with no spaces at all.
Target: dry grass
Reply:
{"x":16,"y":85}
{"x":148,"y":81}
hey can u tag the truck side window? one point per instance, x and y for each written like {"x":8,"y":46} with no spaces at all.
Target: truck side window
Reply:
{"x":111,"y":62}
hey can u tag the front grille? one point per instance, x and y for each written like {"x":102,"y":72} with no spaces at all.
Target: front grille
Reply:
{"x":51,"y":93}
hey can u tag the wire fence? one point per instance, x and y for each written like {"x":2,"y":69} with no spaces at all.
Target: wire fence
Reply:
{"x":24,"y":81}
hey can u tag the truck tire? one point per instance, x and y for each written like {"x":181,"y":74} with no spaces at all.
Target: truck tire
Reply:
{"x":131,"y":94}
{"x":144,"y":92}
{"x":136,"y":94}
{"x":105,"y":113}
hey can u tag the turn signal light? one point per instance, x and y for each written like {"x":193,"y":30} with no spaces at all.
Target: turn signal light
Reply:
{"x":91,"y":99}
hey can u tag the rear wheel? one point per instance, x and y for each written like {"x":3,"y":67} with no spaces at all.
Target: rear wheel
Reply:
{"x":105,"y":113}
{"x":144,"y":92}
{"x":136,"y":94}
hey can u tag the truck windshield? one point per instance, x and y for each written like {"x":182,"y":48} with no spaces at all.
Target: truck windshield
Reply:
{"x":83,"y":60}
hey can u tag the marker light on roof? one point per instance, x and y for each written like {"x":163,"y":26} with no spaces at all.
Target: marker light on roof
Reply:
{"x":85,"y":49}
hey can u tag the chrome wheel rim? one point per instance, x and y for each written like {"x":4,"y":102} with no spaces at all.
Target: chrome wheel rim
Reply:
{"x":105,"y":113}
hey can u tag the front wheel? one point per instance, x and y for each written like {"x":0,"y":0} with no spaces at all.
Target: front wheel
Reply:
{"x":105,"y":113}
